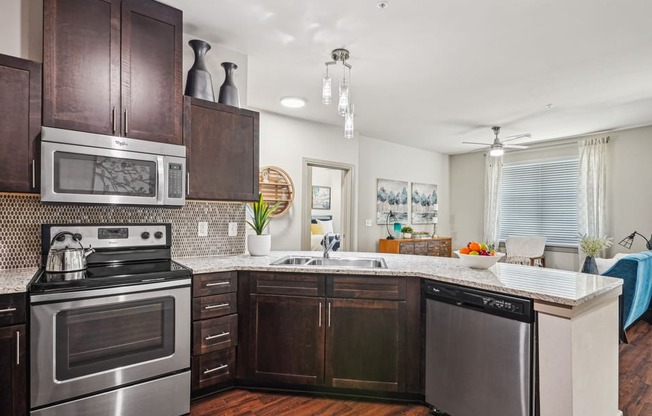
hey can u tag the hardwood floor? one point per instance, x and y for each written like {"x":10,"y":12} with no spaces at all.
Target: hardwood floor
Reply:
{"x":635,"y":392}
{"x":636,"y":371}
{"x":242,"y":402}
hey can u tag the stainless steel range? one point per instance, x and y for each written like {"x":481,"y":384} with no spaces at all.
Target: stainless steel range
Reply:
{"x":114,"y":338}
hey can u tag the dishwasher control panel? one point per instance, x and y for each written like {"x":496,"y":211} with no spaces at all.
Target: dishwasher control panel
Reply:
{"x":507,"y":306}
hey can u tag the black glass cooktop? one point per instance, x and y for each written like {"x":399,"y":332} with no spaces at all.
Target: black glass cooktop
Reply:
{"x":108,"y":275}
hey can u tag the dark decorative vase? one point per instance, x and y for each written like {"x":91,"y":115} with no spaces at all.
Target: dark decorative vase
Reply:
{"x":199,"y":83}
{"x":590,"y":266}
{"x":228,"y":91}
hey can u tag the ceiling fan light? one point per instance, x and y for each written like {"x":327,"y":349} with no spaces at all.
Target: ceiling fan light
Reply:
{"x":496,"y":151}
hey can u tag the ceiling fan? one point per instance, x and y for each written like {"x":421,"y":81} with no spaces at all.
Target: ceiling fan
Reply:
{"x":498,"y":147}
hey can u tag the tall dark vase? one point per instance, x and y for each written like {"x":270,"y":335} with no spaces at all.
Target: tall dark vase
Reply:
{"x":590,"y":266}
{"x":199,"y":83}
{"x":228,"y":91}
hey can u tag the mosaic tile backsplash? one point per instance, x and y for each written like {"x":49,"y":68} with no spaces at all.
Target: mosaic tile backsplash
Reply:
{"x":21,"y":217}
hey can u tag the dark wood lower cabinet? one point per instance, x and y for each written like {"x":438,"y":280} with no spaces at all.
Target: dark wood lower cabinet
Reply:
{"x":365,"y":344}
{"x":13,"y":358}
{"x":288,"y":336}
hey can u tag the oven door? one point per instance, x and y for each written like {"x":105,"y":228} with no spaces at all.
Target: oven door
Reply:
{"x":91,"y":344}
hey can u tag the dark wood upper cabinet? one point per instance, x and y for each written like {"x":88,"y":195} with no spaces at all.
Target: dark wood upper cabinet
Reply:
{"x":222,"y":151}
{"x":113,"y":67}
{"x":20,"y":124}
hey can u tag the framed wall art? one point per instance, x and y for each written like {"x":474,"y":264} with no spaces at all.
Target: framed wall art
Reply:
{"x":321,"y":197}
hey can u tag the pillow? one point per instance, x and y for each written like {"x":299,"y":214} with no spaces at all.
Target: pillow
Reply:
{"x":327,"y":226}
{"x":316,"y":229}
{"x":605,"y":264}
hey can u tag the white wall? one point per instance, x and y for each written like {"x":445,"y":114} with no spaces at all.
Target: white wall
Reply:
{"x":629,"y":197}
{"x":21,"y":29}
{"x":284,"y":142}
{"x":386,"y":160}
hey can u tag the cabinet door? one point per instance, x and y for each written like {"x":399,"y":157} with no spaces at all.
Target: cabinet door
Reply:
{"x":288,"y":339}
{"x":365,"y":344}
{"x":20,"y":100}
{"x":152,"y":99}
{"x":13,"y":393}
{"x":222,"y":145}
{"x":81,"y":65}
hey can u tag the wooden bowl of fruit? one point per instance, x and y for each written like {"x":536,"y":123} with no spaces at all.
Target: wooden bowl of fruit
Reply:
{"x":478,"y":255}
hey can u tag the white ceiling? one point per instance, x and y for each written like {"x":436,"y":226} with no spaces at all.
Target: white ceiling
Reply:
{"x":434,"y":73}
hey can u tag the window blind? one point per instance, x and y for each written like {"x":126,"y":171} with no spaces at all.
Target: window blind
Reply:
{"x":540,"y":199}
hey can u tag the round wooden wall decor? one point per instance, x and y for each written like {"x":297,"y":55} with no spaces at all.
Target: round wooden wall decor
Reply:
{"x":276,"y":185}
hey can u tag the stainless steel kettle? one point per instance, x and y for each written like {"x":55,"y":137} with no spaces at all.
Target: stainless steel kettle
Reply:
{"x":69,"y":259}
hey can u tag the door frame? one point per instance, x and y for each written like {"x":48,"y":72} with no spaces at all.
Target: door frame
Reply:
{"x":348,"y":231}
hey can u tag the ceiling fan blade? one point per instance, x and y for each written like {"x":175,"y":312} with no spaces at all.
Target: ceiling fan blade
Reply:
{"x":515,"y":146}
{"x":518,"y":136}
{"x":482,"y":144}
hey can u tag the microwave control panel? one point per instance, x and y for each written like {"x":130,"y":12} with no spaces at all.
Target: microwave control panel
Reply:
{"x":175,"y":180}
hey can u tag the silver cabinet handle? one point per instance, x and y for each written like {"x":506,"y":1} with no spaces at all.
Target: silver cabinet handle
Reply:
{"x":126,"y":123}
{"x":9,"y":309}
{"x":223,"y":334}
{"x":187,"y":183}
{"x":329,"y":314}
{"x":212,"y":370}
{"x":320,"y":314}
{"x":17,"y":347}
{"x":217,"y":284}
{"x":113,"y":120}
{"x":33,"y":174}
{"x":221,"y":305}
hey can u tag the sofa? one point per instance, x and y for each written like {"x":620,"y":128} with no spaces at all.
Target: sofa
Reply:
{"x":636,"y":271}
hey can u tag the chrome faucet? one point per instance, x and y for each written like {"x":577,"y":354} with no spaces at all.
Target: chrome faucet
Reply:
{"x":328,"y":243}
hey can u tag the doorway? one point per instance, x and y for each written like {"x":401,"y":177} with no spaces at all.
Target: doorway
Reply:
{"x":328,"y":203}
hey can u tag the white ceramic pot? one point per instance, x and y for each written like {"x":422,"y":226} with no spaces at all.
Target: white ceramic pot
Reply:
{"x":259,"y":245}
{"x":407,"y":235}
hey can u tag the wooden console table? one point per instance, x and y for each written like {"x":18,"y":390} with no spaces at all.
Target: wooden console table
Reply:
{"x":440,"y":246}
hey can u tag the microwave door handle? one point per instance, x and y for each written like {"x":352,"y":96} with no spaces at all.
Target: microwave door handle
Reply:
{"x":160,"y":185}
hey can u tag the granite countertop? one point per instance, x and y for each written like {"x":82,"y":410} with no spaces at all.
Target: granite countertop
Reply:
{"x":16,"y":280}
{"x":550,"y":285}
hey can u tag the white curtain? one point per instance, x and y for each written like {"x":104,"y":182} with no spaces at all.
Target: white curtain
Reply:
{"x":492,"y":197}
{"x":592,"y":188}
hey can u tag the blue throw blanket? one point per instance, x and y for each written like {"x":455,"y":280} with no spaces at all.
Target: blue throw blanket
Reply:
{"x":636,"y":272}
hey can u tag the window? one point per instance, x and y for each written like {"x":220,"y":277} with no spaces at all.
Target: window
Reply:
{"x":541,"y":199}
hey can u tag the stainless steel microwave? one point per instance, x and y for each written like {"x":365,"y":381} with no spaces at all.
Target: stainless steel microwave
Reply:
{"x":87,"y":168}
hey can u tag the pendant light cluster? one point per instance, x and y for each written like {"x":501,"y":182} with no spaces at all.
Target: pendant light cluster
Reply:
{"x":344,"y":104}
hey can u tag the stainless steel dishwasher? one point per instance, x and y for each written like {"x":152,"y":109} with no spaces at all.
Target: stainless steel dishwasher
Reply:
{"x":479,"y":352}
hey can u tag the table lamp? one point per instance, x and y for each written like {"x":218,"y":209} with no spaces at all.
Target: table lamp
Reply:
{"x":627,"y":241}
{"x":389,"y":233}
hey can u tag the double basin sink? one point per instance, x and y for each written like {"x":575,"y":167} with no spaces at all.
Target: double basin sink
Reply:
{"x":353,"y":262}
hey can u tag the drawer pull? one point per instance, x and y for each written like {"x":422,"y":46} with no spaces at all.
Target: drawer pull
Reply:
{"x":223,"y":334}
{"x":221,"y":305}
{"x":212,"y":370}
{"x":9,"y":309}
{"x":217,"y":284}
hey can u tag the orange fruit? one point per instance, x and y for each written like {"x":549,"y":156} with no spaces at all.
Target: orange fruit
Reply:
{"x":473,"y":246}
{"x":465,"y":250}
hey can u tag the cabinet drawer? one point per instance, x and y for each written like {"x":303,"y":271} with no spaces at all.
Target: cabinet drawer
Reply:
{"x":214,"y":306}
{"x":406,"y":248}
{"x":440,"y":248}
{"x":214,"y":283}
{"x":12,"y":309}
{"x":287,"y":284}
{"x":213,"y":368}
{"x":383,"y":288}
{"x":215,"y":334}
{"x":421,"y":248}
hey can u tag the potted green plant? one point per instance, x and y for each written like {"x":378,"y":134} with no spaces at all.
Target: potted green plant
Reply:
{"x":260,"y":244}
{"x":407,"y":231}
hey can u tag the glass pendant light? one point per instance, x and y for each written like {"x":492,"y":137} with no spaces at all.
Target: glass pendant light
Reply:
{"x":348,"y":123}
{"x":326,"y":88}
{"x":343,"y":105}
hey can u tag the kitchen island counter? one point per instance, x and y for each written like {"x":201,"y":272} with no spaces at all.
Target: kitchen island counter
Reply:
{"x":550,"y":286}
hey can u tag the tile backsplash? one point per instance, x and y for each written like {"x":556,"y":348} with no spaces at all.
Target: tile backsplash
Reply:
{"x":21,"y":216}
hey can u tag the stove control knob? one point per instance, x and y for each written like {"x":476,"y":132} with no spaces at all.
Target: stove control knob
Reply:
{"x":158,"y":235}
{"x":144,"y":235}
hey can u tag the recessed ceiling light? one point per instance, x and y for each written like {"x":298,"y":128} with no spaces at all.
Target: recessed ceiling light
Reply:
{"x":382,"y":5}
{"x":293,"y":102}
{"x":549,"y":107}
